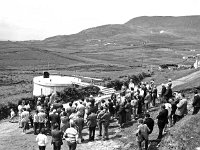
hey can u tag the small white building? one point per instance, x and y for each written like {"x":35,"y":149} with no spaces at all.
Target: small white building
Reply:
{"x":47,"y":85}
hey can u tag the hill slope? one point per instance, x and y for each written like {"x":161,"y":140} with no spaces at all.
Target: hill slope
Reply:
{"x":165,"y":28}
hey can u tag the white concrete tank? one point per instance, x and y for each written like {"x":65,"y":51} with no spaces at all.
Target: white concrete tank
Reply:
{"x":46,"y":86}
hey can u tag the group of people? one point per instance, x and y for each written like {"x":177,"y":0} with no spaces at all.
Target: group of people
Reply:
{"x":133,"y":102}
{"x":172,"y":109}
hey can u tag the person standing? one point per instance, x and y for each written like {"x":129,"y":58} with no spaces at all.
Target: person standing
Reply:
{"x":162,"y":120}
{"x":79,"y":122}
{"x":181,"y":108}
{"x":12,"y":115}
{"x":81,"y":108}
{"x":106,"y":121}
{"x":54,"y":118}
{"x":128,"y":109}
{"x":122,"y":115}
{"x":42,"y":140}
{"x":154,"y":95}
{"x":147,"y":101}
{"x":168,"y":94}
{"x":149,"y":122}
{"x":111,"y":107}
{"x":100,"y":121}
{"x":131,"y":85}
{"x":142,"y":134}
{"x":71,"y":136}
{"x":25,"y":120}
{"x":163,"y":90}
{"x":134,"y":104}
{"x":56,"y":137}
{"x":35,"y":122}
{"x":92,"y":123}
{"x":42,"y":119}
{"x":64,"y":122}
{"x":196,"y":103}
{"x":20,"y":110}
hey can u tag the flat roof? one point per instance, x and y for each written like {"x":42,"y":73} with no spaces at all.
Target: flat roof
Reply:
{"x":55,"y":80}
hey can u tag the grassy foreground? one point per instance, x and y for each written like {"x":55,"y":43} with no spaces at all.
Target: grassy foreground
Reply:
{"x":185,"y":135}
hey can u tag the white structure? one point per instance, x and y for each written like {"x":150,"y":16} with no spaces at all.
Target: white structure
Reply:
{"x":197,"y":62}
{"x":46,"y":86}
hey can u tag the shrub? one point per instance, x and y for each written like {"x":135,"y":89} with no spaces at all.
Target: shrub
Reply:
{"x":5,"y":109}
{"x":72,"y":93}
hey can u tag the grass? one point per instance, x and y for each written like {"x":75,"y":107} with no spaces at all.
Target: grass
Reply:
{"x":185,"y":135}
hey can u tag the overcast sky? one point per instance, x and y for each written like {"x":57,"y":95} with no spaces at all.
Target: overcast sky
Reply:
{"x":39,"y":19}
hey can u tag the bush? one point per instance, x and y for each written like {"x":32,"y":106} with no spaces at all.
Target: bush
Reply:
{"x":5,"y":109}
{"x":72,"y":93}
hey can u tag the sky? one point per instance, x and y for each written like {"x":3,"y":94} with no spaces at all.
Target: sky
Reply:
{"x":40,"y":19}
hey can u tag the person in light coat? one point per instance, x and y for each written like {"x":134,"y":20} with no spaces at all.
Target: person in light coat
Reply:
{"x":181,"y":108}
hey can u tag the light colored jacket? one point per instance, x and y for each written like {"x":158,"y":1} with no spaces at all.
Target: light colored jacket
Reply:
{"x":181,"y":107}
{"x":143,"y":130}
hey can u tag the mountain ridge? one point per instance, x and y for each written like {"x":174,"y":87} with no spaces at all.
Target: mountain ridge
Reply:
{"x":144,"y":27}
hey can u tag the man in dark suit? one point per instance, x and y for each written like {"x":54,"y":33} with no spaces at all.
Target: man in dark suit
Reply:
{"x":149,"y":122}
{"x":196,"y":103}
{"x":162,"y":120}
{"x":163,"y":90}
{"x":54,"y":119}
{"x":168,"y":94}
{"x":92,"y":123}
{"x":106,"y":122}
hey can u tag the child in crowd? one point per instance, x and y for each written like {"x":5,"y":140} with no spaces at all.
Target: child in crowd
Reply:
{"x":42,"y":139}
{"x":12,"y":115}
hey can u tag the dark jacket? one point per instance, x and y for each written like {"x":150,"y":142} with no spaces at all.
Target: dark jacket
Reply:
{"x":79,"y":123}
{"x":163,"y":91}
{"x":150,"y":124}
{"x":162,"y":117}
{"x":92,"y":120}
{"x":122,"y":114}
{"x":168,"y":94}
{"x":57,"y":137}
{"x":54,"y":118}
{"x":196,"y":101}
{"x":106,"y":118}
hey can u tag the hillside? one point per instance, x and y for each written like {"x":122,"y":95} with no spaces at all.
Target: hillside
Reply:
{"x":167,"y":29}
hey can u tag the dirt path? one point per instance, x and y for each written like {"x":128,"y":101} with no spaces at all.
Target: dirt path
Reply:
{"x":11,"y":136}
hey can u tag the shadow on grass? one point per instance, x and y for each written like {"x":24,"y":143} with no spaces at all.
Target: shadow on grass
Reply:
{"x":154,"y":144}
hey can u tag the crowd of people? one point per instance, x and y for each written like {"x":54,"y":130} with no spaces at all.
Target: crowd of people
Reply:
{"x":132,"y":103}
